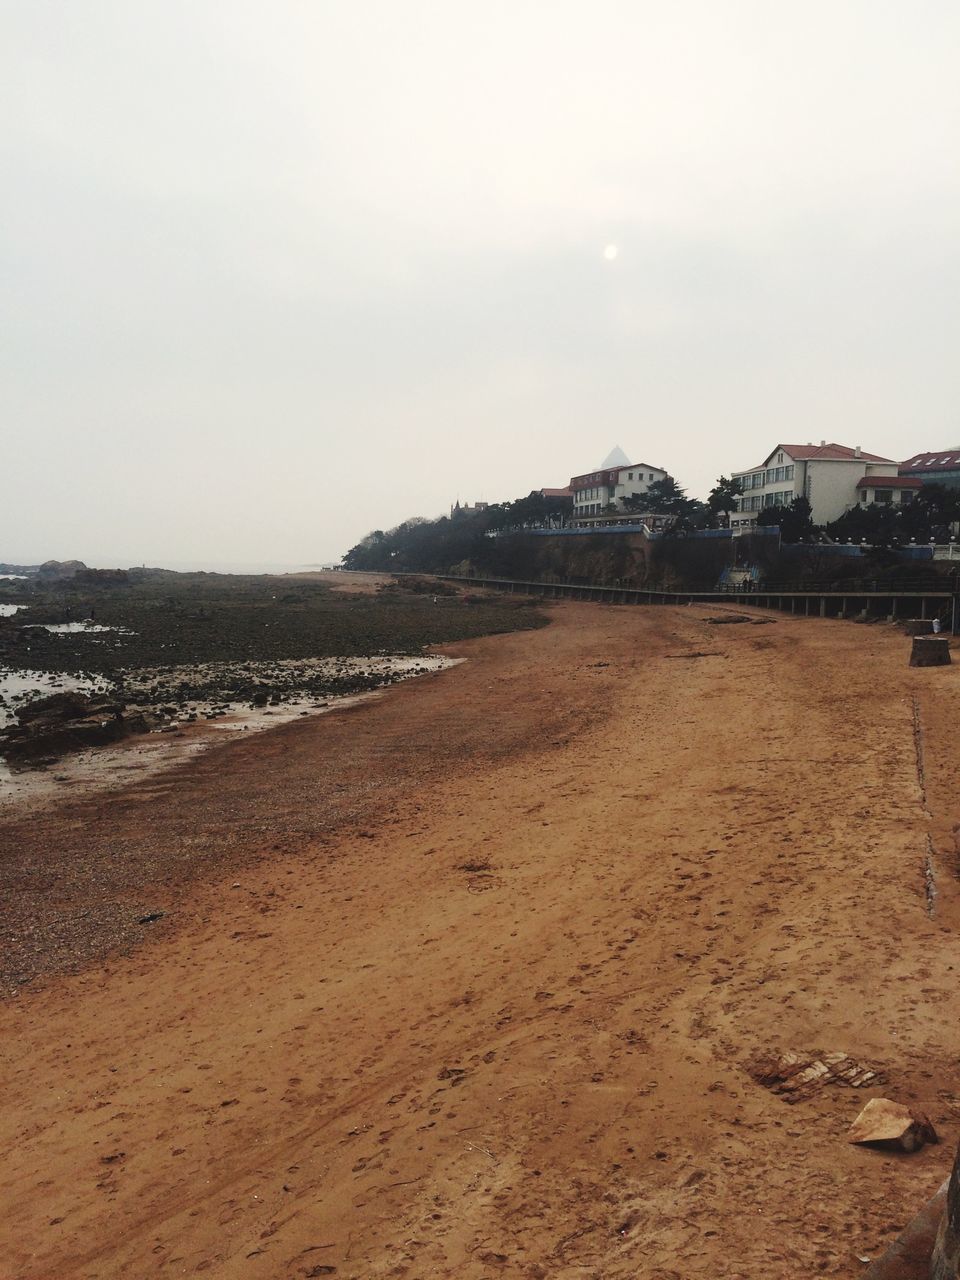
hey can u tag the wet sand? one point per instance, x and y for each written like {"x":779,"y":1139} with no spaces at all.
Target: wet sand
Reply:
{"x":462,"y":982}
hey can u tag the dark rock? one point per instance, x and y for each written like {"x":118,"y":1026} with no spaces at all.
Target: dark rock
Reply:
{"x":65,"y":706}
{"x":65,"y":722}
{"x":60,"y":568}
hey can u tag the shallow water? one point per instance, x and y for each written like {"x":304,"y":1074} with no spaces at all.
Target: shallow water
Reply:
{"x":71,"y":628}
{"x":8,"y":610}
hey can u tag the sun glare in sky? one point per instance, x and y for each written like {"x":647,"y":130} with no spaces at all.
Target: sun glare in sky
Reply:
{"x":610,"y":252}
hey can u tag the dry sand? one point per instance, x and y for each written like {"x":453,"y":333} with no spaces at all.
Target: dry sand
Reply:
{"x":462,"y":982}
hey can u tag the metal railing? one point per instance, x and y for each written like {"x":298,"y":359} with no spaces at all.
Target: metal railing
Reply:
{"x":842,"y":602}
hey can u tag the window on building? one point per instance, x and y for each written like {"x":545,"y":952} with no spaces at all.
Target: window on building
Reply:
{"x":906,"y":496}
{"x":779,"y":457}
{"x":788,"y":473}
{"x":883,"y":497}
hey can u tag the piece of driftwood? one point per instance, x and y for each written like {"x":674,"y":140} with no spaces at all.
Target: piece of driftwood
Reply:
{"x":796,"y":1076}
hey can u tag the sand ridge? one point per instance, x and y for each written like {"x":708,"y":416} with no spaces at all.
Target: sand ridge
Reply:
{"x":463,"y":982}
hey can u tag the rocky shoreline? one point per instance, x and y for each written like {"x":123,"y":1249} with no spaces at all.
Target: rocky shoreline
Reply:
{"x":50,"y":726}
{"x":115,"y":656}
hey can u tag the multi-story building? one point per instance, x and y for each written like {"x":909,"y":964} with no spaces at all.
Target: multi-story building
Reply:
{"x":934,"y":468}
{"x":611,"y":486}
{"x":829,"y":476}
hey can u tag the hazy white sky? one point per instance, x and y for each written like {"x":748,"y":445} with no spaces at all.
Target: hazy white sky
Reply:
{"x":275,"y":274}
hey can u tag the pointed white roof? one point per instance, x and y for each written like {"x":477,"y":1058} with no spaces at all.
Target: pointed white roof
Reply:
{"x":615,"y":458}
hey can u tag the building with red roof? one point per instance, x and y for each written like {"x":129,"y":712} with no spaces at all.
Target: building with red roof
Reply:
{"x":832,"y":477}
{"x":935,"y":468}
{"x":615,"y":483}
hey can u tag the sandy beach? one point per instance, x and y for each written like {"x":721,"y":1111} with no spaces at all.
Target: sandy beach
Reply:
{"x":466,"y":980}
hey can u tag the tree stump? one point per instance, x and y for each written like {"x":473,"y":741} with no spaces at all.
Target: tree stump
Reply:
{"x":917,"y":626}
{"x":930,"y":651}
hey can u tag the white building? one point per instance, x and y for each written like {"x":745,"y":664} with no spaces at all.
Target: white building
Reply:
{"x":612,"y":485}
{"x":829,"y":476}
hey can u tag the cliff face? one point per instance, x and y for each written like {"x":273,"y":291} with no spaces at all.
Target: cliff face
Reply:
{"x":623,"y":559}
{"x":626,"y":559}
{"x":691,"y":563}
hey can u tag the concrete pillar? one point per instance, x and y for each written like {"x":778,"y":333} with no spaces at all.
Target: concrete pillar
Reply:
{"x":823,"y":606}
{"x":945,"y":1255}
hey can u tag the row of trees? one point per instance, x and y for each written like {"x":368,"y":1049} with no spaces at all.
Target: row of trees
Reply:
{"x":433,"y":546}
{"x":928,"y":516}
{"x":666,"y":496}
